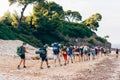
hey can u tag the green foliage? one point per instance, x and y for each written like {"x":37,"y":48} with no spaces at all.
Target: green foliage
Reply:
{"x":72,"y":16}
{"x":6,"y":32}
{"x":47,"y":24}
{"x":55,"y":8}
{"x":30,"y":40}
{"x":14,"y":20}
{"x":91,"y":41}
{"x":100,"y":39}
{"x":105,"y":37}
{"x":10,"y":33}
{"x":76,"y":30}
{"x":23,"y":5}
{"x":6,"y":18}
{"x":92,"y":22}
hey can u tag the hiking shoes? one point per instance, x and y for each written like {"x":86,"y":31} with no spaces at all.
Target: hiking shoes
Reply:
{"x":65,"y":64}
{"x":24,"y":66}
{"x":60,"y":64}
{"x":48,"y":66}
{"x":41,"y":67}
{"x":18,"y":66}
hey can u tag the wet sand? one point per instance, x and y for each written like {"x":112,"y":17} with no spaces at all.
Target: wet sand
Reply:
{"x":103,"y":68}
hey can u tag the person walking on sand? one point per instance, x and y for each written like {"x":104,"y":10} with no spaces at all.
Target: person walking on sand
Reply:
{"x":22,"y":55}
{"x":70,"y":53}
{"x":43,"y":55}
{"x":64,"y":53}
{"x":56,"y":53}
{"x":93,"y":53}
{"x":81,"y":53}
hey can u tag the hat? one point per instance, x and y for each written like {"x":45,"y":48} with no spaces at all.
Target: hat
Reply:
{"x":45,"y":45}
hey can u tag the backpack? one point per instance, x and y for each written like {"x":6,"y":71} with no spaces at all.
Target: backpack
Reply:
{"x":41,"y":52}
{"x":19,"y":50}
{"x":55,"y":48}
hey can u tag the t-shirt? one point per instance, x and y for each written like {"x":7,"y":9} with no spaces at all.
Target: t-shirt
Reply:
{"x":56,"y":49}
{"x":23,"y":50}
{"x":69,"y":51}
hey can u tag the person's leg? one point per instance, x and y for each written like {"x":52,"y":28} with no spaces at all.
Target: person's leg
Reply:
{"x":100,"y":53}
{"x":47,"y":63}
{"x":68,"y":59}
{"x":55,"y":60}
{"x":71,"y":58}
{"x":24,"y":63}
{"x":88,"y":55}
{"x":82,"y":58}
{"x":41,"y":65}
{"x":65,"y":58}
{"x":79,"y":57}
{"x":42,"y":60}
{"x":116,"y":55}
{"x":85,"y":57}
{"x":58,"y":57}
{"x":21,"y":60}
{"x":93,"y":56}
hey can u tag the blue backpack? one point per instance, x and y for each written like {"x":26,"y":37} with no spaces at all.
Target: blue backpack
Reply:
{"x":55,"y":48}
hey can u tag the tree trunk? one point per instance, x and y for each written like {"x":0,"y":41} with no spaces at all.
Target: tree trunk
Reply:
{"x":21,"y":16}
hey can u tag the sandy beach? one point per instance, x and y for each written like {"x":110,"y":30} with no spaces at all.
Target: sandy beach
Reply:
{"x":102,"y":68}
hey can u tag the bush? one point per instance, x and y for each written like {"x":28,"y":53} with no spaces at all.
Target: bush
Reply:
{"x":91,"y":41}
{"x":6,"y":33}
{"x":100,"y":39}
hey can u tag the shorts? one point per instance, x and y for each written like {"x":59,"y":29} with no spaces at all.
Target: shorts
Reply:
{"x":76,"y":53}
{"x":44,"y":59}
{"x":81,"y":54}
{"x":93,"y":53}
{"x":65,"y":57}
{"x":70,"y":55}
{"x":56,"y":52}
{"x":22,"y":56}
{"x":56,"y":56}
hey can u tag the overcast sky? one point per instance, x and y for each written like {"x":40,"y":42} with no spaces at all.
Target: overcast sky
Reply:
{"x":109,"y":9}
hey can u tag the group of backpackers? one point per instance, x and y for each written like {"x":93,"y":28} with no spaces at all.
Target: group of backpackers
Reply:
{"x":69,"y":53}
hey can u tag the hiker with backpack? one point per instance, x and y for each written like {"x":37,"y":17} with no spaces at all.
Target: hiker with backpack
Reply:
{"x":43,"y":55}
{"x":93,"y":53}
{"x":70,"y":53}
{"x":56,"y":53}
{"x":76,"y":53}
{"x":64,"y":53}
{"x":21,"y":52}
{"x":81,"y":53}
